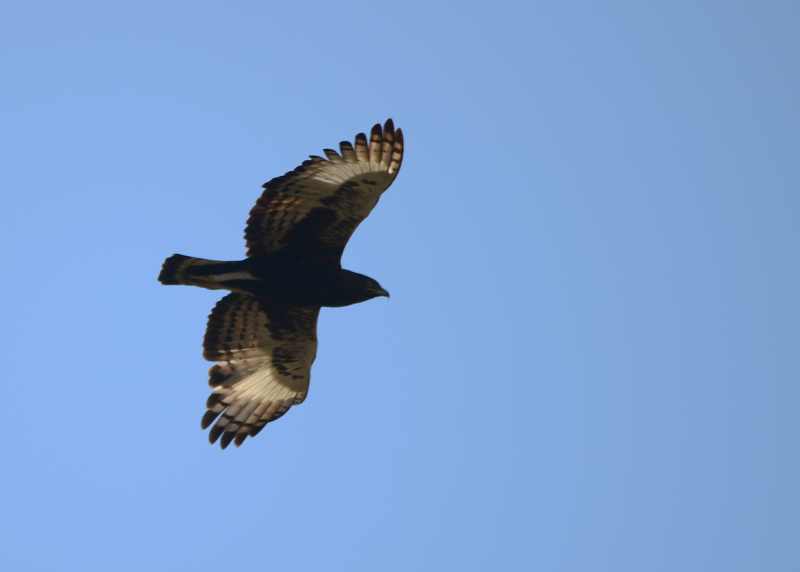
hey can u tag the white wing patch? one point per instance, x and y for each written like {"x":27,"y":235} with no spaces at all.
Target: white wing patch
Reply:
{"x":252,"y":396}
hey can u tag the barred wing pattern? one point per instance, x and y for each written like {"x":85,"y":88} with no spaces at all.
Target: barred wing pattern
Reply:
{"x":265,"y":354}
{"x":313,"y":210}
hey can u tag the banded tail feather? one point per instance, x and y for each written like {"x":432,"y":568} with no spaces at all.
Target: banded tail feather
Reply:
{"x":210,"y":274}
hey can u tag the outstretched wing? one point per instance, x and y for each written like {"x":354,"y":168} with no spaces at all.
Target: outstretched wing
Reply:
{"x":313,"y":210}
{"x":265,"y":354}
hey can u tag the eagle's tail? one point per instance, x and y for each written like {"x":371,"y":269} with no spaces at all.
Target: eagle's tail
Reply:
{"x":212,"y":274}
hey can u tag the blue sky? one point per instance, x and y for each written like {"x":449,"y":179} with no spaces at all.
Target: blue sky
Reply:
{"x":589,"y":360}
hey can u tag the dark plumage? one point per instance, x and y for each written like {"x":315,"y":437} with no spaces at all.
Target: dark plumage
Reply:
{"x":263,"y":334}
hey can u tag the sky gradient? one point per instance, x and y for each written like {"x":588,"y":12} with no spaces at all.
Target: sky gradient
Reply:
{"x":589,"y":360}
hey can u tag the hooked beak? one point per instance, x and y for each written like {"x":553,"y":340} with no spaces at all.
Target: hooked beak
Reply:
{"x":382,"y":292}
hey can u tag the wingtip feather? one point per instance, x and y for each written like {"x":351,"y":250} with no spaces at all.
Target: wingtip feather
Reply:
{"x":227,"y":437}
{"x":208,"y":419}
{"x":214,"y":434}
{"x":347,"y":151}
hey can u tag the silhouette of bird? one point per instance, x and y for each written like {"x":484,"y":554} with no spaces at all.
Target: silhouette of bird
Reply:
{"x":263,"y":334}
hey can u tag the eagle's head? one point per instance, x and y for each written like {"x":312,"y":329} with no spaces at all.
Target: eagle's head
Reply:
{"x":352,"y":288}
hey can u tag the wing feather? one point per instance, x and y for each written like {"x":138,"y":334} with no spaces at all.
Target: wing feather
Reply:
{"x":314,"y":209}
{"x":347,"y":151}
{"x":265,"y":354}
{"x":332,"y":155}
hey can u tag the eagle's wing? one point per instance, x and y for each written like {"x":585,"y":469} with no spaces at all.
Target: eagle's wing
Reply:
{"x":266,"y":352}
{"x":313,"y":210}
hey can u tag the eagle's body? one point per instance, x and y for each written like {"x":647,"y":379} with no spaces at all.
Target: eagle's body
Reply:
{"x":279,"y":279}
{"x":263,"y":334}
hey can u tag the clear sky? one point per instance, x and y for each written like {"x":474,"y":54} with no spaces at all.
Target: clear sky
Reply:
{"x":589,"y":361}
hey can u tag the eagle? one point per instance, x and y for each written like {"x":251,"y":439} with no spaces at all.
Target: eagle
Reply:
{"x":263,"y":334}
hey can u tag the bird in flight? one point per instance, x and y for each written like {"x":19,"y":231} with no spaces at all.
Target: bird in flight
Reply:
{"x":263,"y":334}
